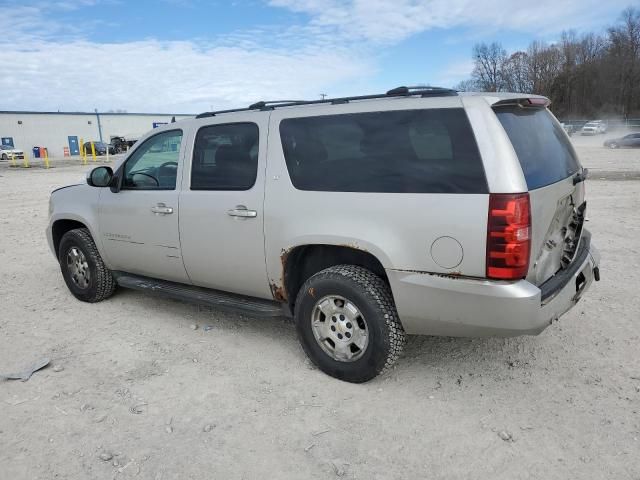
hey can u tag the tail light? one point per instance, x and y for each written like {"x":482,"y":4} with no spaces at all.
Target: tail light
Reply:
{"x":508,"y":236}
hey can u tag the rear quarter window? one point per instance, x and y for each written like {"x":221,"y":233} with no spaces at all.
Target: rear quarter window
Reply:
{"x":544,"y":151}
{"x":406,"y":151}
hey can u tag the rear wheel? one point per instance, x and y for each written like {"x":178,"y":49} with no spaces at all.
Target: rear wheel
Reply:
{"x":83,"y":270}
{"x":4,"y":157}
{"x":347,"y":323}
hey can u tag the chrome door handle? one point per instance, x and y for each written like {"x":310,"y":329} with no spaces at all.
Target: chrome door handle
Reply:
{"x":161,"y":209}
{"x":242,"y":212}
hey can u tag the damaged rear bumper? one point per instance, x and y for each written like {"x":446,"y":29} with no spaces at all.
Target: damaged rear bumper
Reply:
{"x":430,"y":304}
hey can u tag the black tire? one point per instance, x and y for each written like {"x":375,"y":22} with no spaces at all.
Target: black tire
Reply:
{"x":4,"y":157}
{"x":613,"y":145}
{"x":373,"y":298}
{"x":101,"y":283}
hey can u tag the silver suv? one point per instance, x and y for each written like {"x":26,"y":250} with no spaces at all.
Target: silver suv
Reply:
{"x":418,"y":211}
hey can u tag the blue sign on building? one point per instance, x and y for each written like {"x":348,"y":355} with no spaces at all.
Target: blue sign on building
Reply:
{"x":157,"y":124}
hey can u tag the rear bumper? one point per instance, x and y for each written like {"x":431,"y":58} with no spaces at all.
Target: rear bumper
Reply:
{"x":432,"y":304}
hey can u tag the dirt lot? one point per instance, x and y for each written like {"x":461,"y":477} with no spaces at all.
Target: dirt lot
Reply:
{"x":237,"y":399}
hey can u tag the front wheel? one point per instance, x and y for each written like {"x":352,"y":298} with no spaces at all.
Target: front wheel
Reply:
{"x":613,"y":145}
{"x":347,"y":323}
{"x":4,"y":157}
{"x":83,"y":270}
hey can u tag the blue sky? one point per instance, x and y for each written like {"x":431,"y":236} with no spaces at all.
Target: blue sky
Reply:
{"x":187,"y":56}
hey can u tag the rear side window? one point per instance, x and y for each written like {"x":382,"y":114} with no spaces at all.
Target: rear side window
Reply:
{"x":546,"y":155}
{"x":406,"y":151}
{"x":225,"y":157}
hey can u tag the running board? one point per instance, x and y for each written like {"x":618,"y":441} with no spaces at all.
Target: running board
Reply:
{"x":188,"y":293}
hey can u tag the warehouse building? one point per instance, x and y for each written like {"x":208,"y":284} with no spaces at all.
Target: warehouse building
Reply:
{"x":61,"y":133}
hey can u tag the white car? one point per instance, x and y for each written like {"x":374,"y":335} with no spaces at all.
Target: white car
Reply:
{"x":594,"y":127}
{"x":7,"y":151}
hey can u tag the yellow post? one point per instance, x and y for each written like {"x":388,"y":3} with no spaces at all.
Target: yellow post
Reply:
{"x":93,"y":151}
{"x":46,"y":158}
{"x":13,"y":160}
{"x":25,"y":162}
{"x":83,"y":153}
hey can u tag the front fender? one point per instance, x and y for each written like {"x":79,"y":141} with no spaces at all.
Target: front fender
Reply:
{"x":80,"y":204}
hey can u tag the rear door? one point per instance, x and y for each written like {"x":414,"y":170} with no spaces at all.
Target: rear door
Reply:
{"x":549,"y":164}
{"x":221,"y":205}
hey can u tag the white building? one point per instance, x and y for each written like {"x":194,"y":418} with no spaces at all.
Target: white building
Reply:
{"x":59,"y":130}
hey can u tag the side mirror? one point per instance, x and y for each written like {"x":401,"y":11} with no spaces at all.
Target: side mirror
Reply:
{"x":100,"y":177}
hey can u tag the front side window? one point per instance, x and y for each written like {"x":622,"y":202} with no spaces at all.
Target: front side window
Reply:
{"x":154,"y":164}
{"x":400,"y":151}
{"x":225,"y":157}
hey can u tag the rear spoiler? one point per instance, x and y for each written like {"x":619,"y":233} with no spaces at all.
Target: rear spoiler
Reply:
{"x":525,"y":102}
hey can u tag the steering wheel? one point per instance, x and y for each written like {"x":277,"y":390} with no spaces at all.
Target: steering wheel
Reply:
{"x":167,"y":164}
{"x":146,"y":175}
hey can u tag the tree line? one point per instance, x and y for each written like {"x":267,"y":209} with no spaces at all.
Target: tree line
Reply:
{"x":587,"y":75}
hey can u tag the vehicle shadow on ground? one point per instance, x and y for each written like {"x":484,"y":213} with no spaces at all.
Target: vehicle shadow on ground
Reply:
{"x":462,"y":354}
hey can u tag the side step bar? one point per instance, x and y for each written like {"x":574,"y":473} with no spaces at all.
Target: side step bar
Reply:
{"x":188,"y":293}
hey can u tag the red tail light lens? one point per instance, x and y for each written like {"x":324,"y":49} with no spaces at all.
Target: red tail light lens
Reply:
{"x":508,"y":236}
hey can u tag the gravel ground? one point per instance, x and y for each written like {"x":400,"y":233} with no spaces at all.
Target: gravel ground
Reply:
{"x":135,"y":390}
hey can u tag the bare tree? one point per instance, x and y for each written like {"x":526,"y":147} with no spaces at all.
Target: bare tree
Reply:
{"x":515,"y":73}
{"x":586,"y":75}
{"x":489,"y":62}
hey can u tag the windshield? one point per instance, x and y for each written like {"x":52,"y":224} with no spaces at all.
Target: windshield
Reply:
{"x":545,"y":153}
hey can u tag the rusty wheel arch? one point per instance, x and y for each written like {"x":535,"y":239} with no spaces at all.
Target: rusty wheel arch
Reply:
{"x":303,"y":261}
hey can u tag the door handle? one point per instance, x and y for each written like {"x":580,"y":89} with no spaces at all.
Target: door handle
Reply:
{"x":242,"y":212}
{"x":161,"y":209}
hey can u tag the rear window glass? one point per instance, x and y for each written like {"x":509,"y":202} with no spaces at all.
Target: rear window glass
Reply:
{"x":545,"y":153}
{"x":406,"y":151}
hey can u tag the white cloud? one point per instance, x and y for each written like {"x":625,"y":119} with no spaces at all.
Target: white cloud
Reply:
{"x":53,"y":67}
{"x":395,"y":20}
{"x":335,"y":50}
{"x":165,"y":76}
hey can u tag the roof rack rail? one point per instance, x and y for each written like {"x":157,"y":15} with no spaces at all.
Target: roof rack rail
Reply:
{"x":264,"y":104}
{"x":423,"y":91}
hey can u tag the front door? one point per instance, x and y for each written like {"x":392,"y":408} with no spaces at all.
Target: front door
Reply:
{"x":139,"y":223}
{"x":74,"y":148}
{"x":221,"y":207}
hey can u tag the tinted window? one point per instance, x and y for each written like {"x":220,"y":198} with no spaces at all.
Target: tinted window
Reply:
{"x":545,"y":153}
{"x":225,"y":157}
{"x":410,"y":151}
{"x":154,"y":164}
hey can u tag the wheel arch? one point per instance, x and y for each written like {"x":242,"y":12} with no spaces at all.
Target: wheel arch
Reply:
{"x":62,"y":226}
{"x":303,"y":261}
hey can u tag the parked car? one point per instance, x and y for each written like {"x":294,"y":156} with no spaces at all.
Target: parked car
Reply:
{"x":594,"y":127}
{"x":7,"y":151}
{"x":631,"y":140}
{"x":121,"y":144}
{"x":100,"y":148}
{"x":418,"y":211}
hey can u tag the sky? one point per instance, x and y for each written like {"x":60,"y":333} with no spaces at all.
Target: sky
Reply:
{"x":190,"y":56}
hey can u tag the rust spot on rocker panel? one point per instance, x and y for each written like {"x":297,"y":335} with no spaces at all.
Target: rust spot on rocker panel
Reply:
{"x":452,"y":275}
